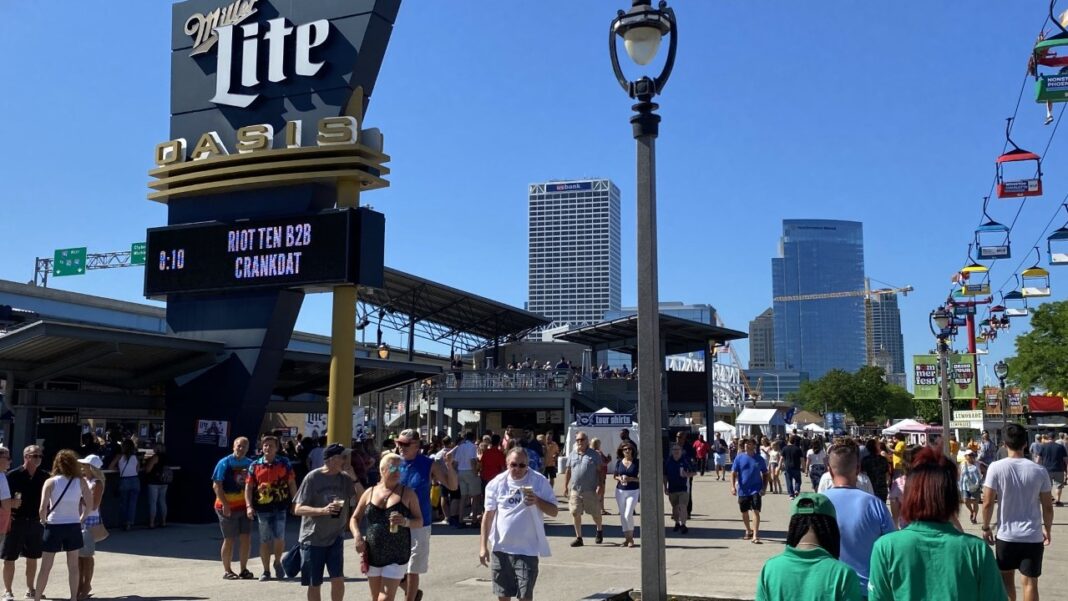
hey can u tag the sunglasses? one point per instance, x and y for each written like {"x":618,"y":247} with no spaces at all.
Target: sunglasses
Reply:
{"x":404,"y":444}
{"x":393,"y":469}
{"x":580,"y":440}
{"x":35,"y":456}
{"x":517,"y":465}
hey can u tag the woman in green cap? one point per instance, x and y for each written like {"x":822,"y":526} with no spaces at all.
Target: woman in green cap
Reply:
{"x":808,"y":569}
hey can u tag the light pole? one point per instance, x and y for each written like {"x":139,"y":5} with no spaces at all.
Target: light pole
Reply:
{"x":941,"y":318}
{"x":642,"y":28}
{"x":1001,"y":369}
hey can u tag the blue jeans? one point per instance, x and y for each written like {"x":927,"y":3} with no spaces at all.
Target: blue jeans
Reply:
{"x":129,"y":490}
{"x":157,"y":499}
{"x":272,"y":525}
{"x":793,"y":482}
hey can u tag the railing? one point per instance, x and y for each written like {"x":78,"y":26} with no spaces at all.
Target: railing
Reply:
{"x":496,"y":380}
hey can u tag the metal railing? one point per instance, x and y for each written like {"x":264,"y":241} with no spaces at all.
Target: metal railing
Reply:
{"x":499,"y":380}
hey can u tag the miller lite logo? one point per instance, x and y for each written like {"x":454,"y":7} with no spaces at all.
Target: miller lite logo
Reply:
{"x":238,"y":45}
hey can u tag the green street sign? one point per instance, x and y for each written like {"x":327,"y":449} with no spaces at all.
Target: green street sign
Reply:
{"x":69,"y":261}
{"x":137,"y":253}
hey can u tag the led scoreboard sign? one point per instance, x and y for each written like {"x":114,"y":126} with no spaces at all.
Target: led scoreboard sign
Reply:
{"x":310,"y":252}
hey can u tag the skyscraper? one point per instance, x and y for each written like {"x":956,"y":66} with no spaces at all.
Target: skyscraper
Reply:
{"x":815,"y":331}
{"x":574,"y":272}
{"x":762,"y":341}
{"x":887,"y":342}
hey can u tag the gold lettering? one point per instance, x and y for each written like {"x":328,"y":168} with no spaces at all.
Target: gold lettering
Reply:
{"x":208,"y":146}
{"x":254,"y":137}
{"x":293,"y":134}
{"x":338,"y":130}
{"x":170,"y":152}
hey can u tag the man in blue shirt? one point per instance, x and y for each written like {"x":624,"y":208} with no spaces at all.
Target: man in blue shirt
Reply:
{"x":749,"y":478}
{"x":677,"y":473}
{"x":862,"y":517}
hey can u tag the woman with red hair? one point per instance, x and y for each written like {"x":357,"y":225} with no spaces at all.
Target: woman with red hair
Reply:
{"x":930,"y":558}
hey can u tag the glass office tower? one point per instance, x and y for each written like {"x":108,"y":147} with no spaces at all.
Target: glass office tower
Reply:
{"x":818,"y":329}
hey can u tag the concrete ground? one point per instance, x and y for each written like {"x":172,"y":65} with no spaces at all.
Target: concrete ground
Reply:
{"x":181,"y":562}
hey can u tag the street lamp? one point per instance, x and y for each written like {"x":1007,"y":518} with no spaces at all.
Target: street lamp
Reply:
{"x":1001,"y":370}
{"x":942,"y":318}
{"x":642,"y":28}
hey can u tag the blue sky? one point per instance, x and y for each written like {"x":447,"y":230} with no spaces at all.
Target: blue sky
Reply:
{"x":839,"y":110}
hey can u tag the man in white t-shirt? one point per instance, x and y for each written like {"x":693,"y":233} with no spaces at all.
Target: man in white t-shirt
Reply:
{"x":513,"y":526}
{"x":6,"y":502}
{"x":466,"y":456}
{"x":1019,"y":486}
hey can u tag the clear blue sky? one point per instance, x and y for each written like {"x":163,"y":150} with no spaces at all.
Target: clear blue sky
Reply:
{"x":865,"y":111}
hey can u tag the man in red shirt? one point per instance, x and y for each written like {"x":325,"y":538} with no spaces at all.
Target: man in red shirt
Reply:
{"x":492,"y":461}
{"x":700,"y":450}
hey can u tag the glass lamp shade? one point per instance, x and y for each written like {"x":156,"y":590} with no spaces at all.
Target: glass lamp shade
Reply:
{"x":941,"y":318}
{"x":642,"y":43}
{"x":383,"y":352}
{"x":1001,"y":369}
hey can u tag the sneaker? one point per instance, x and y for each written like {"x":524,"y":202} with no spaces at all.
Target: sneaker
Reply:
{"x":264,"y":577}
{"x":7,"y":597}
{"x":676,"y":528}
{"x":600,"y":537}
{"x":31,"y":594}
{"x":683,"y":529}
{"x":1049,"y":119}
{"x":577,"y":542}
{"x":278,"y":571}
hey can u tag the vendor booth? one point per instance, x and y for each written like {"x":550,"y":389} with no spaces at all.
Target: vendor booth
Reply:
{"x":720,"y":427}
{"x":761,"y":422}
{"x":602,"y":424}
{"x":915,"y":432}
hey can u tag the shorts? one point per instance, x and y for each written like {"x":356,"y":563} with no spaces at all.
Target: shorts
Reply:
{"x":578,"y":502}
{"x":513,"y":575}
{"x":62,"y":537}
{"x":967,"y":495}
{"x":470,"y":483}
{"x":419,"y":562}
{"x":1057,"y":478}
{"x":394,"y":571}
{"x":1026,"y":557}
{"x":314,"y":558}
{"x":550,"y":471}
{"x":720,"y":459}
{"x":237,"y":523}
{"x":88,"y":544}
{"x":452,"y":494}
{"x":272,"y":525}
{"x":24,"y":539}
{"x":750,"y":503}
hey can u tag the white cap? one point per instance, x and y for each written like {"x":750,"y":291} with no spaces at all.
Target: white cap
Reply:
{"x":93,"y":460}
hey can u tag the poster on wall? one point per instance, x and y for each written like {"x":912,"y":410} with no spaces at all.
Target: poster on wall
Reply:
{"x":215,"y":432}
{"x":963,"y":384}
{"x":359,"y":425}
{"x":315,"y":425}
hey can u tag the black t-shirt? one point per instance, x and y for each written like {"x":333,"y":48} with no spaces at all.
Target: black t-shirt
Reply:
{"x":791,"y":457}
{"x":1052,"y":455}
{"x":20,"y":481}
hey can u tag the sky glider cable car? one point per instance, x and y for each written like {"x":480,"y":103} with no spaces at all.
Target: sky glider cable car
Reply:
{"x":992,"y":238}
{"x":1057,"y":245}
{"x":1015,"y":303}
{"x":1017,"y":188}
{"x":979,"y":288}
{"x":1034,"y":281}
{"x":1051,"y":86}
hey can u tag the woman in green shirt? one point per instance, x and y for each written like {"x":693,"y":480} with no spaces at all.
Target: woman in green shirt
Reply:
{"x":808,"y":569}
{"x":930,"y":558}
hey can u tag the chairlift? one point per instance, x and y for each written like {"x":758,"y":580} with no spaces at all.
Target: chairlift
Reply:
{"x":980,"y":289}
{"x":1015,"y":302}
{"x":1051,"y":87}
{"x":1058,"y":253}
{"x":992,"y":238}
{"x":1017,"y":188}
{"x":1034,"y":281}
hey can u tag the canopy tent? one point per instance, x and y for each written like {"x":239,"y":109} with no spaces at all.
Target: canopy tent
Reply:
{"x":767,"y":422}
{"x":608,"y":435}
{"x":816,"y":428}
{"x":803,"y":418}
{"x":915,"y":432}
{"x":720,"y":427}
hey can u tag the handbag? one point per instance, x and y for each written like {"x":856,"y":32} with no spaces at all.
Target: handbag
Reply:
{"x":99,"y":532}
{"x":291,"y":561}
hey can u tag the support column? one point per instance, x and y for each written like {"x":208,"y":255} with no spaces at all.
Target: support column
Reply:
{"x":342,"y":343}
{"x":710,"y":382}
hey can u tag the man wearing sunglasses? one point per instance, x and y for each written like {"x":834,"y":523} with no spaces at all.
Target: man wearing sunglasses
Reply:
{"x":582,"y":481}
{"x":26,"y":536}
{"x":417,"y":473}
{"x":513,"y":527}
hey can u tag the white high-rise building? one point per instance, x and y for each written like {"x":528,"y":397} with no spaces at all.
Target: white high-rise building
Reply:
{"x":574,"y":257}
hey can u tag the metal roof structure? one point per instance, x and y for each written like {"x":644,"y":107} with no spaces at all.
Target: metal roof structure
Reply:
{"x":303,"y":373}
{"x":439,"y":312}
{"x":680,"y":335}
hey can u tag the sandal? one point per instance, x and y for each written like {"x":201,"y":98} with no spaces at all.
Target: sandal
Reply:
{"x":230,"y":576}
{"x":757,"y":541}
{"x":748,"y":535}
{"x":247,"y":575}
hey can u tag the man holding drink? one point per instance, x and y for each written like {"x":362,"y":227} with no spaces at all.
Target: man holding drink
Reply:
{"x":513,"y":527}
{"x":321,"y":501}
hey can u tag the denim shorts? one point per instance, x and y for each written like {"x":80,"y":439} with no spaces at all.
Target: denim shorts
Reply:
{"x":62,"y":537}
{"x":313,"y":559}
{"x":272,"y":525}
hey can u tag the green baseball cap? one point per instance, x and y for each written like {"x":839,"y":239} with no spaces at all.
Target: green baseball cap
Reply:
{"x":811,"y":503}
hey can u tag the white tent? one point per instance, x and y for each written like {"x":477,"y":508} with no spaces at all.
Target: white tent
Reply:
{"x":909,"y":426}
{"x":767,"y":422}
{"x":609,"y":436}
{"x":721,"y":427}
{"x":814,"y":428}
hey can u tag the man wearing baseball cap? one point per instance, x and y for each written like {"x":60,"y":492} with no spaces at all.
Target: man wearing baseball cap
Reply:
{"x":322,"y":502}
{"x":808,"y":568}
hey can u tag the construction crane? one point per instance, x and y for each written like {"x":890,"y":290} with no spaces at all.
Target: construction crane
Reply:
{"x":868,"y":294}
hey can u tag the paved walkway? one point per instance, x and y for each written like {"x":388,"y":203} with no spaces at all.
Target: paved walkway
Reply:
{"x":181,"y":562}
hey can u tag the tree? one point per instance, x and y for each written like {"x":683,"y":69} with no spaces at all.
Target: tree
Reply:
{"x":864,"y":395}
{"x":1042,"y":354}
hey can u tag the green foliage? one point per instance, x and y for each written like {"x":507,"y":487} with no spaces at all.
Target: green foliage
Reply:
{"x":863,"y":395}
{"x":1041,"y":359}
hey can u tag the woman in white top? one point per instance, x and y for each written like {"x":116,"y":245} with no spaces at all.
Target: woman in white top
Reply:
{"x":91,"y":465}
{"x":128,"y":464}
{"x":816,"y":462}
{"x":62,"y":513}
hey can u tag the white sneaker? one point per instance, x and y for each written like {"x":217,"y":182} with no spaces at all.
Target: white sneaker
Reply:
{"x":30,"y":594}
{"x":7,"y":597}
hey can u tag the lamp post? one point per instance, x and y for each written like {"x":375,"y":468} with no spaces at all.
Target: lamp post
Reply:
{"x":1001,"y":369}
{"x":941,"y":318}
{"x":642,"y":28}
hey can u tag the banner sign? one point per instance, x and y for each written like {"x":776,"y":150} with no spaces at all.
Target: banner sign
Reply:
{"x":315,"y":425}
{"x":834,"y":423}
{"x":214,"y":432}
{"x":968,"y":416}
{"x":1046,"y":404}
{"x":963,"y":385}
{"x":992,"y":395}
{"x":597,"y":420}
